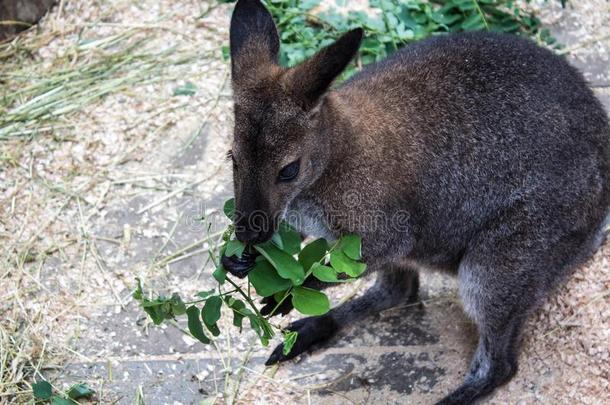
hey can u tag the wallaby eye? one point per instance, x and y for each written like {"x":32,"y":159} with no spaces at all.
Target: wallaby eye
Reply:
{"x":290,"y":171}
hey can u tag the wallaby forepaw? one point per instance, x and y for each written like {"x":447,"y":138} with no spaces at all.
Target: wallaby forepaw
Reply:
{"x":310,"y":331}
{"x":278,"y":356}
{"x":271,"y":304}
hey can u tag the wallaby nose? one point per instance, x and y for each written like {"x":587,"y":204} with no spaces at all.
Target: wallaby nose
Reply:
{"x":247,"y":235}
{"x":253,"y":237}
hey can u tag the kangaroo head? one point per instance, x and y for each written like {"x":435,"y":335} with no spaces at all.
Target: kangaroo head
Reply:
{"x":279,"y":148}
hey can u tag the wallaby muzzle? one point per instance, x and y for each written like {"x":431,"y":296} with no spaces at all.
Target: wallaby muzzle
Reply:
{"x":254,"y":227}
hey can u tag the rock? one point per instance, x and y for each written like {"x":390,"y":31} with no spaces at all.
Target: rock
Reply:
{"x":23,"y":12}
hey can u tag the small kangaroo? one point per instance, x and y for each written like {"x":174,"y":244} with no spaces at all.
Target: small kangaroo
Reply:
{"x":494,"y":152}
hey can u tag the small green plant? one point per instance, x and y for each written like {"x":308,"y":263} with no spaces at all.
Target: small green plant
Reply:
{"x":279,"y":271}
{"x":390,"y":24}
{"x":43,"y":392}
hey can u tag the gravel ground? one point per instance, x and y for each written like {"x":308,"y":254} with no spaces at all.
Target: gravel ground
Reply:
{"x":88,"y":207}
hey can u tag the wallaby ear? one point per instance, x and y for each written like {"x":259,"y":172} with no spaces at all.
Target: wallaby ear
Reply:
{"x":253,"y":37}
{"x":308,"y":81}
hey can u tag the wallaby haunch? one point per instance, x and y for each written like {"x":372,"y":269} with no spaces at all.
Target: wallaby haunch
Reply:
{"x":479,"y":154}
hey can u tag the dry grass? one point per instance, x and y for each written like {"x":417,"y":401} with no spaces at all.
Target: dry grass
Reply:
{"x":67,"y":152}
{"x":37,"y":100}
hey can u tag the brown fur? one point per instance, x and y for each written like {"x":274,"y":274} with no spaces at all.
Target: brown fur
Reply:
{"x":478,"y":154}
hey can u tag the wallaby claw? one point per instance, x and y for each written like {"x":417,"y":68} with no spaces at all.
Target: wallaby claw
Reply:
{"x":277,"y":356}
{"x":465,"y":395}
{"x":310,"y":331}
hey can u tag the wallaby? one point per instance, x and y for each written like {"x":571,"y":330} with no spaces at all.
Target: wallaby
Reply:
{"x":493,"y":150}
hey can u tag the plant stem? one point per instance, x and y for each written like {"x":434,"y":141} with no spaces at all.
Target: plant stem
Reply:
{"x":243,"y":294}
{"x":205,"y":299}
{"x":480,"y":11}
{"x":280,"y":302}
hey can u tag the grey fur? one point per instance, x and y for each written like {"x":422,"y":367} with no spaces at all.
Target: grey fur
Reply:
{"x":308,"y":218}
{"x":492,"y":152}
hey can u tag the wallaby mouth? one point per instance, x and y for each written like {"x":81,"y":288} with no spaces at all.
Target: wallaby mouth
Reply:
{"x":251,"y":229}
{"x":240,"y":266}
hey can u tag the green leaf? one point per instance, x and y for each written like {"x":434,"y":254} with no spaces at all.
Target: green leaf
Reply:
{"x":445,"y":19}
{"x":211,"y":313}
{"x":310,"y":302}
{"x":78,"y":391}
{"x":313,"y":253}
{"x":307,"y":5}
{"x":372,"y":22}
{"x":57,"y":400}
{"x":195,"y":326}
{"x":351,"y":246}
{"x":226,"y":52}
{"x":286,"y":266}
{"x":42,"y":390}
{"x":266,"y":280}
{"x":234,"y":247}
{"x":474,"y":22}
{"x":256,"y":327}
{"x":392,"y":21}
{"x":343,"y":264}
{"x":189,"y":89}
{"x":138,"y":293}
{"x":281,"y":296}
{"x":239,"y":311}
{"x":291,"y":239}
{"x":262,"y":328}
{"x":213,"y":329}
{"x":206,"y":294}
{"x":155,"y":313}
{"x":324,"y":273}
{"x":220,"y":275}
{"x":162,"y":308}
{"x":290,"y":339}
{"x":229,"y":208}
{"x":177,"y":305}
{"x":238,"y":320}
{"x":277,"y":240}
{"x":465,"y":5}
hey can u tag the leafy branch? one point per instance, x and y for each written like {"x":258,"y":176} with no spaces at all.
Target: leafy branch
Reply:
{"x":279,"y":271}
{"x":43,"y":392}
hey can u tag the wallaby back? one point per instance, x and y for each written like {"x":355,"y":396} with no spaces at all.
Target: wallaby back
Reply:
{"x":457,"y":129}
